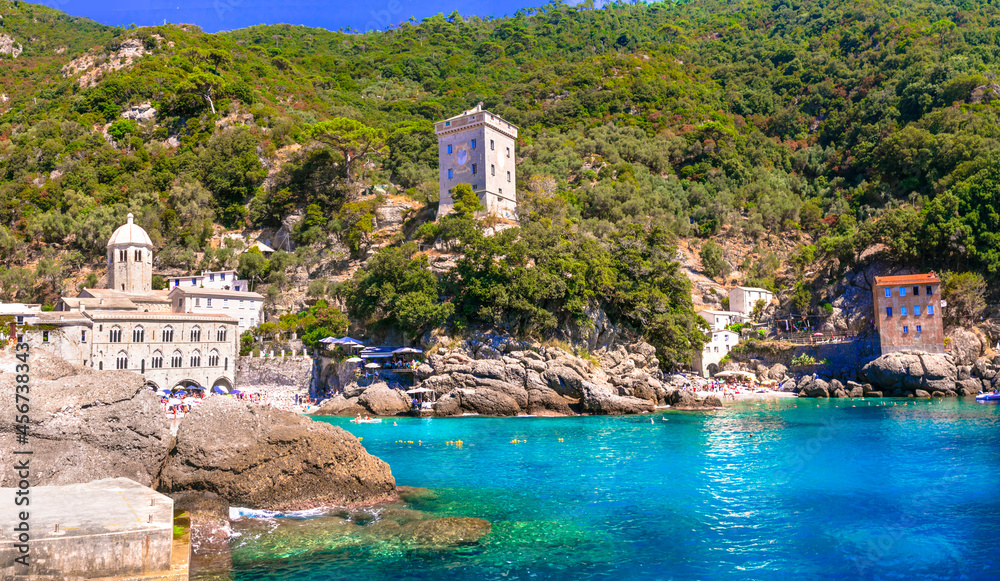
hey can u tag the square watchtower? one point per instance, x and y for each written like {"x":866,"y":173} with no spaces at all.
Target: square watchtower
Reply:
{"x":477,"y":148}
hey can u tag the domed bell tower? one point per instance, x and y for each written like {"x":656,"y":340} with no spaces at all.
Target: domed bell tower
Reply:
{"x":130,"y":259}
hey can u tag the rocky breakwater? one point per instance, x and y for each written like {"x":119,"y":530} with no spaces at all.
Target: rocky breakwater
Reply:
{"x":917,"y":374}
{"x":260,"y":457}
{"x":498,"y":376}
{"x":85,"y":425}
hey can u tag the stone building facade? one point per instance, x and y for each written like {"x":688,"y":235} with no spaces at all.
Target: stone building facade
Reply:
{"x":908,"y":313}
{"x":137,"y":329}
{"x":743,"y":299}
{"x":478,"y":148}
{"x":246,"y":307}
{"x":706,"y":361}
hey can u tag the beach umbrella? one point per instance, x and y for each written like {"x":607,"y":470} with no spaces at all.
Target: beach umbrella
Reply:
{"x":406,"y":350}
{"x":235,"y":392}
{"x":220,"y":389}
{"x":354,"y":360}
{"x":349,"y":341}
{"x":173,"y":401}
{"x":329,"y":340}
{"x":373,"y":366}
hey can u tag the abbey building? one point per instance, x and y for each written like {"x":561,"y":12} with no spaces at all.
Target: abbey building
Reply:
{"x":173,"y":338}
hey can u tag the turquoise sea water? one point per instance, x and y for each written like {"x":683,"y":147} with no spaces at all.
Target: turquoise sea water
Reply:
{"x":785,"y":490}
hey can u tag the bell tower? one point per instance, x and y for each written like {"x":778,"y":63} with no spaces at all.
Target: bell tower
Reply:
{"x":130,"y":259}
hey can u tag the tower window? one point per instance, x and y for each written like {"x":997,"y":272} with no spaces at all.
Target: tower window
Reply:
{"x":138,"y":255}
{"x":450,"y":174}
{"x":472,"y":144}
{"x":508,"y":177}
{"x":449,"y":149}
{"x":122,"y":256}
{"x":474,"y":169}
{"x":508,"y":152}
{"x":491,"y":145}
{"x":493,"y":170}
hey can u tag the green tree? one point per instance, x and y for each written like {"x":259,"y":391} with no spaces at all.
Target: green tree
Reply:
{"x":713,"y":261}
{"x":466,"y":201}
{"x":354,"y":140}
{"x":965,"y":294}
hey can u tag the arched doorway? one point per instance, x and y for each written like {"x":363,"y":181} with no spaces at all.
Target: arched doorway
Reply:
{"x":223,"y":382}
{"x":712,"y":369}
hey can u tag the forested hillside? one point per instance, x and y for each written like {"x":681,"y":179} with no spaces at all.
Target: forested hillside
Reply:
{"x":839,"y":126}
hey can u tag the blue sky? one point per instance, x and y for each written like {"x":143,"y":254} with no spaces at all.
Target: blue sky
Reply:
{"x":215,"y":15}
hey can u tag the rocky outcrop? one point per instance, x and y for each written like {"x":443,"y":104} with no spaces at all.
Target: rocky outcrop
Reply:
{"x":86,"y":425}
{"x":967,"y":345}
{"x":499,"y":376}
{"x":381,"y":400}
{"x":339,"y":406}
{"x":9,"y":46}
{"x":260,"y":457}
{"x":911,"y":371}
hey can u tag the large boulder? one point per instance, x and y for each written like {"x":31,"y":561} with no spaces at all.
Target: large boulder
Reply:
{"x":261,"y":457}
{"x":912,"y":370}
{"x":339,"y":406}
{"x":598,"y":399}
{"x":86,"y":425}
{"x":489,"y":402}
{"x":966,"y":345}
{"x":382,"y":400}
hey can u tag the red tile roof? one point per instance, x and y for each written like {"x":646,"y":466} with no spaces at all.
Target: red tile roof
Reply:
{"x":905,"y":279}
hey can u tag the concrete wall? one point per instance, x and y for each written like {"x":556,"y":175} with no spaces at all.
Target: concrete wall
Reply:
{"x":107,"y":528}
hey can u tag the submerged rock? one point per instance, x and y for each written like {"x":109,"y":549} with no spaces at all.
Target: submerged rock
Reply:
{"x":260,"y":457}
{"x":446,"y":532}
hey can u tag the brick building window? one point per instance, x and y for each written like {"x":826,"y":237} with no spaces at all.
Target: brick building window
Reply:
{"x":918,"y":328}
{"x":888,"y":311}
{"x":902,"y":291}
{"x":906,"y":329}
{"x":930,"y":290}
{"x":888,"y":292}
{"x":902,"y":311}
{"x":930,"y":310}
{"x":916,"y":310}
{"x":916,"y":291}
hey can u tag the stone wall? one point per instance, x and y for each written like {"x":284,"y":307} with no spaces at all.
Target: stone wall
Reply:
{"x":274,"y":371}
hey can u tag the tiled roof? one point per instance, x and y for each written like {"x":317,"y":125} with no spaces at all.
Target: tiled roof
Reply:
{"x":905,"y":279}
{"x":216,"y":292}
{"x":145,"y":316}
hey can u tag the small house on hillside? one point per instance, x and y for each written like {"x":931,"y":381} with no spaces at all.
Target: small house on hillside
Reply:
{"x":908,"y":313}
{"x":719,"y":320}
{"x":706,"y":361}
{"x":743,"y":299}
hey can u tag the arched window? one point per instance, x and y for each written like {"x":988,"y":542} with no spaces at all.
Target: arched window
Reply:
{"x":213,"y":358}
{"x":121,"y":362}
{"x":167,"y":336}
{"x":156,"y":362}
{"x":196,"y":334}
{"x":196,"y":359}
{"x":175,"y":359}
{"x":115,"y":334}
{"x":138,"y":334}
{"x":220,"y":334}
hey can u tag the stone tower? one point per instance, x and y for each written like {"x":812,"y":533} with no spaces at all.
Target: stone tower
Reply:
{"x":130,"y":259}
{"x":477,"y":148}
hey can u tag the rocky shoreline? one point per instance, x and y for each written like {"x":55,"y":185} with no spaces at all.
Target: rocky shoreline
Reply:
{"x":498,"y":376}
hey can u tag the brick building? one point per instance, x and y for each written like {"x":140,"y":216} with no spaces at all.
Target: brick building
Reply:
{"x":908,"y":313}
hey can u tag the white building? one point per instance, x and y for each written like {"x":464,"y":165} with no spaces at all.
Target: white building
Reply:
{"x":477,"y":148}
{"x":217,"y":279}
{"x":706,"y":361}
{"x":742,"y":299}
{"x":719,"y":320}
{"x":246,"y":307}
{"x":135,"y":329}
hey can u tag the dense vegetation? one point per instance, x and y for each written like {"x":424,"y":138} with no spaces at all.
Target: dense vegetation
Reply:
{"x":847,"y":124}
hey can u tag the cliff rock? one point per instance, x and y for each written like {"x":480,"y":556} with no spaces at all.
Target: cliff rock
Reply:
{"x":86,"y":425}
{"x":381,"y":400}
{"x":260,"y":457}
{"x":912,"y":370}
